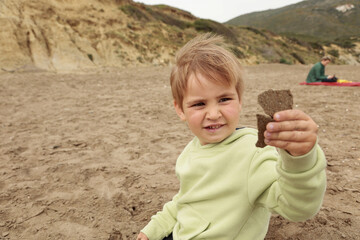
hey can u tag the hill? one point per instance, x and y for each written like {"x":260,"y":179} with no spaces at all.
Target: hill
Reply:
{"x":320,"y":19}
{"x":62,"y":35}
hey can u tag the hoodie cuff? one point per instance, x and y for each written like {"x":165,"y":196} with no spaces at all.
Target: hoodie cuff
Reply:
{"x":298,"y":164}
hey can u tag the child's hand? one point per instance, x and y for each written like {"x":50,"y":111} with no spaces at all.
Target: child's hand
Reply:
{"x":293,"y":131}
{"x":142,"y":236}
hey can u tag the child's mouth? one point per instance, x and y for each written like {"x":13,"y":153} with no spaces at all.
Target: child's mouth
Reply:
{"x":214,"y":127}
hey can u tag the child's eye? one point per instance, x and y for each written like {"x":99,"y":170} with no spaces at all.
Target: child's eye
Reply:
{"x":224,"y":99}
{"x":199,"y":104}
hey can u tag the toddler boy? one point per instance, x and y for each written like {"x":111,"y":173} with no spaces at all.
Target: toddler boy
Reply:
{"x":228,"y":186}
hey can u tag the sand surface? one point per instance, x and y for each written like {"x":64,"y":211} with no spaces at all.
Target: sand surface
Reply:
{"x":91,"y":155}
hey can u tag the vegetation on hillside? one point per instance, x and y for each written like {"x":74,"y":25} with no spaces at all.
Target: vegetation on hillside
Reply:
{"x":246,"y":42}
{"x":249,"y":44}
{"x":311,"y":20}
{"x":325,"y":26}
{"x":124,"y":32}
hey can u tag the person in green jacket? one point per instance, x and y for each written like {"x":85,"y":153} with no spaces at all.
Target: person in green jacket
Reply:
{"x":317,"y":72}
{"x":228,"y":187}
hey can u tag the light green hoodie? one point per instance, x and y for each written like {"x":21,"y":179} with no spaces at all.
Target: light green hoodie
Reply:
{"x":228,"y":190}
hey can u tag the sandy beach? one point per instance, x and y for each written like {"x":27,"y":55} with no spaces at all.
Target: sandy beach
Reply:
{"x":91,"y":155}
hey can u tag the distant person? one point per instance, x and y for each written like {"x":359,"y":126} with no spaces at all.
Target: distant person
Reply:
{"x":317,"y":72}
{"x":228,"y":186}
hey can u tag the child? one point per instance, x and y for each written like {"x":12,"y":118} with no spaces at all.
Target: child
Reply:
{"x":228,"y":186}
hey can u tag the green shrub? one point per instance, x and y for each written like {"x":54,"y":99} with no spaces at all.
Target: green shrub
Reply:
{"x":285,"y":61}
{"x":165,"y":18}
{"x":237,"y":52}
{"x":140,"y":59}
{"x":205,"y":25}
{"x":316,"y":46}
{"x":256,"y":31}
{"x":297,"y":57}
{"x":133,"y":11}
{"x":333,"y":52}
{"x":345,"y":43}
{"x":297,"y":41}
{"x":90,"y":56}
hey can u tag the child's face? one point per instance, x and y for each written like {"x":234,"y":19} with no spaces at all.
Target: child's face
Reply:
{"x":211,"y":110}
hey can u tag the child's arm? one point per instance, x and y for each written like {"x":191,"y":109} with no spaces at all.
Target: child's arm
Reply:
{"x":293,"y":131}
{"x":297,"y":180}
{"x":142,"y":236}
{"x":162,"y":223}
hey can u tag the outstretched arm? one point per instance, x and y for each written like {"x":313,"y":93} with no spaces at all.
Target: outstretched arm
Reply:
{"x":299,"y":181}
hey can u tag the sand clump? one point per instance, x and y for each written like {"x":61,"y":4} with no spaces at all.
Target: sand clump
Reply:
{"x":91,"y":155}
{"x":271,"y":101}
{"x":262,"y":121}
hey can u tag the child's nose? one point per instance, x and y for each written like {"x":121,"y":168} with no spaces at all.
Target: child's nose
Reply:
{"x":213,"y":113}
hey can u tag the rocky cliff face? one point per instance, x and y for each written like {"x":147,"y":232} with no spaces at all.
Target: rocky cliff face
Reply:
{"x":65,"y":34}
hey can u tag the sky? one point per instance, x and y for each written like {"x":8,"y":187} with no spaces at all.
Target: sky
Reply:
{"x":222,"y":10}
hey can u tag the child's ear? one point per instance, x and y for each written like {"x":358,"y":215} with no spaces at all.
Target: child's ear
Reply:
{"x":179,"y":111}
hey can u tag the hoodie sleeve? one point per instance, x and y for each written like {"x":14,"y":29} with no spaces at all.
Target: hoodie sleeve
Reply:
{"x":163,"y":222}
{"x":293,"y":187}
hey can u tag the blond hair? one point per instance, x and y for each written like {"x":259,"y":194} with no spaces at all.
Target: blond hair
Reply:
{"x":205,"y":55}
{"x":326,"y":58}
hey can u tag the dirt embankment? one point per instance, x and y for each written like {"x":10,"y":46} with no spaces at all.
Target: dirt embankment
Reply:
{"x":66,"y":35}
{"x":70,"y":35}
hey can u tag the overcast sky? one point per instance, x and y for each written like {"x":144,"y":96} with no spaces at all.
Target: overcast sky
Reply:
{"x":222,"y":10}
